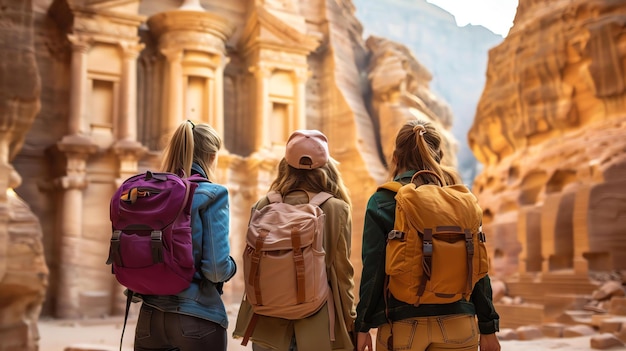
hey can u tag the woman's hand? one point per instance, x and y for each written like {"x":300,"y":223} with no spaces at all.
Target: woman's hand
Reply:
{"x":489,"y":342}
{"x":364,"y":342}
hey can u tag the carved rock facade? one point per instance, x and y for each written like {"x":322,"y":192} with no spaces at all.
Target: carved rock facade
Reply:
{"x":23,"y":270}
{"x":549,"y":130}
{"x":117,"y":76}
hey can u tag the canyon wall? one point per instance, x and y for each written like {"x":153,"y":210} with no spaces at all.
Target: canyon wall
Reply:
{"x":23,"y":270}
{"x":549,"y":130}
{"x":92,"y":93}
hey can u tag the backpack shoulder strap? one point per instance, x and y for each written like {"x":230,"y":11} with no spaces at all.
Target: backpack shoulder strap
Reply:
{"x":196,"y":178}
{"x":320,"y":198}
{"x":393,"y":186}
{"x":274,"y":196}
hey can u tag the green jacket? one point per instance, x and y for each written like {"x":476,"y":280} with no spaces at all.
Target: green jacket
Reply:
{"x":312,"y":332}
{"x":379,"y":219}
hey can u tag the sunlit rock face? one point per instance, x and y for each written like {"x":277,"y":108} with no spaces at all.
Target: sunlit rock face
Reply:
{"x":549,"y":130}
{"x":455,"y":56}
{"x":400,"y":92}
{"x":23,"y":270}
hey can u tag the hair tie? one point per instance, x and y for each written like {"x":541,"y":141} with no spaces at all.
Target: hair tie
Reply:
{"x":419,"y":128}
{"x":192,"y":125}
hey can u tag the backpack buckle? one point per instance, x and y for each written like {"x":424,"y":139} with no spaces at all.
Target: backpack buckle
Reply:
{"x":114,"y":249}
{"x":482,"y":237}
{"x":156,"y":243}
{"x":427,"y":248}
{"x":395,"y":234}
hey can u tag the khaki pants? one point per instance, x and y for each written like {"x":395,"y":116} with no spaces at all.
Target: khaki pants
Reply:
{"x":451,"y":332}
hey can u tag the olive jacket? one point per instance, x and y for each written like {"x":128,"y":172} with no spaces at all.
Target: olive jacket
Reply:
{"x":312,"y":333}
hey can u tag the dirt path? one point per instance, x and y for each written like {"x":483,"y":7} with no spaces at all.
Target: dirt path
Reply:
{"x":56,"y":335}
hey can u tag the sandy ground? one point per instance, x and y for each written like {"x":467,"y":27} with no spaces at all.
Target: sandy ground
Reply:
{"x":100,"y":335}
{"x":104,"y":335}
{"x":57,"y":335}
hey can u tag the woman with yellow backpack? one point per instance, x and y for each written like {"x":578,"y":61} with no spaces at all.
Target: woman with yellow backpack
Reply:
{"x":417,"y":299}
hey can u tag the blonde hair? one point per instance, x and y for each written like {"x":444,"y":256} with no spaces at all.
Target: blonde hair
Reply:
{"x":418,"y":147}
{"x":191,"y":143}
{"x":326,"y":178}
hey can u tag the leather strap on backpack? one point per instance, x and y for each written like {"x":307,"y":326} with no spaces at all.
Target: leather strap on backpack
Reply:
{"x":274,"y":196}
{"x":298,"y":260}
{"x":393,"y":186}
{"x":386,"y":295}
{"x":253,"y":278}
{"x":469,"y":245}
{"x":320,"y":198}
{"x":427,"y":261}
{"x":426,"y":171}
{"x":249,"y":329}
{"x":129,"y":300}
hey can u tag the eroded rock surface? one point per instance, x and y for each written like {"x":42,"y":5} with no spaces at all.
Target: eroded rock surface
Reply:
{"x":549,"y":130}
{"x":23,"y":270}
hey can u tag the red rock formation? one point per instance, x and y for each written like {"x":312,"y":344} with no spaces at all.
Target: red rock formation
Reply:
{"x":400,"y":92}
{"x":23,"y":271}
{"x":549,"y":130}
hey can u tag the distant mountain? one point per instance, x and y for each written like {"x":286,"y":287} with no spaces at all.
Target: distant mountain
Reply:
{"x":456,"y":56}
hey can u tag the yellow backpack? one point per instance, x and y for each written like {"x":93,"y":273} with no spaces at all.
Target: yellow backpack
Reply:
{"x":436,"y":251}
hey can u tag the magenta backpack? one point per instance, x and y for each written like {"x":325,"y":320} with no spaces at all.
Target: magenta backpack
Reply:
{"x":151,"y":247}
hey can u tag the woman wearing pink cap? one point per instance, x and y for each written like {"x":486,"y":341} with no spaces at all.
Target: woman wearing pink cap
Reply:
{"x":306,"y":170}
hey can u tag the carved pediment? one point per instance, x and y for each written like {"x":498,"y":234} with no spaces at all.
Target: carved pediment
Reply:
{"x":121,"y":6}
{"x":118,"y":18}
{"x":265,"y":28}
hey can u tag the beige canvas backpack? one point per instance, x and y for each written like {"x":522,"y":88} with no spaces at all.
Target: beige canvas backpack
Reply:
{"x":284,"y":260}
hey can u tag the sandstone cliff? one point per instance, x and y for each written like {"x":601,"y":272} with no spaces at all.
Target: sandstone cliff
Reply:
{"x":23,"y":271}
{"x":455,"y":56}
{"x":549,"y":130}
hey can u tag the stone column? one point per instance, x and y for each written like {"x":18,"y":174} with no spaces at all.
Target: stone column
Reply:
{"x":128,"y":115}
{"x":581,"y":228}
{"x":128,"y":161}
{"x":549,"y":214}
{"x":301,"y":76}
{"x":529,"y":235}
{"x":192,"y":5}
{"x":80,"y":47}
{"x":174,"y":90}
{"x":262,"y":75}
{"x":218,"y":110}
{"x":5,"y":170}
{"x":71,"y":217}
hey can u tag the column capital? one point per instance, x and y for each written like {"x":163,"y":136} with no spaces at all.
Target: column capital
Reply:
{"x":131,"y":50}
{"x":173,"y":55}
{"x":72,"y":182}
{"x":301,"y":74}
{"x":80,"y":43}
{"x":261,"y":71}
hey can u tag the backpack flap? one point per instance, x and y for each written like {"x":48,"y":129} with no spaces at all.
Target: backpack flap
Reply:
{"x":143,"y":195}
{"x":277,"y":225}
{"x":452,"y":205}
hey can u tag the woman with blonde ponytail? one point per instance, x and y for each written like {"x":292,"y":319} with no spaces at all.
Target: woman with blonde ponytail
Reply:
{"x":194,"y":319}
{"x":432,"y":327}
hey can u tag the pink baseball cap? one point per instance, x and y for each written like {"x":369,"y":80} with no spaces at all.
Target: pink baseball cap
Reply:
{"x":307,"y":149}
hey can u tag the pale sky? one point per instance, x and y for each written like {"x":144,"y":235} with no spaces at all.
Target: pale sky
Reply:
{"x":496,"y":15}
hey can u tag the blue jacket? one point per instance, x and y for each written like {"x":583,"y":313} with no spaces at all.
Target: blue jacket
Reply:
{"x":211,"y":247}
